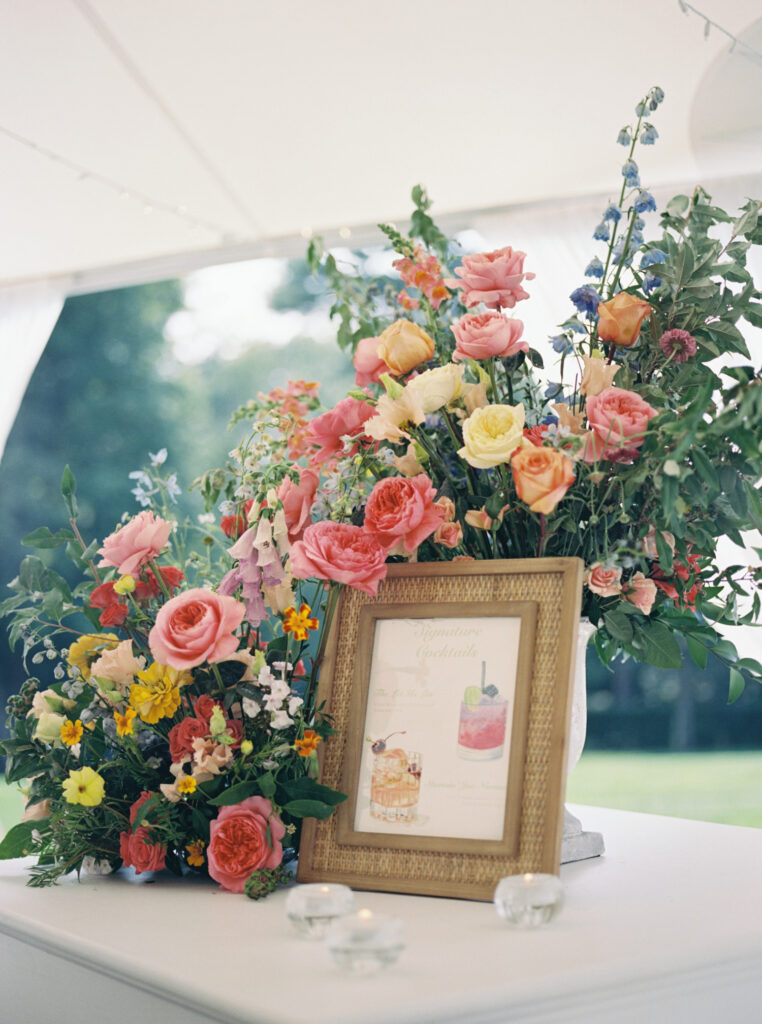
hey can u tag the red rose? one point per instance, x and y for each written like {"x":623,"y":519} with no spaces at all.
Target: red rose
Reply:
{"x":238,"y":842}
{"x":137,"y":850}
{"x":233,"y":526}
{"x":114,"y":611}
{"x":182,"y":735}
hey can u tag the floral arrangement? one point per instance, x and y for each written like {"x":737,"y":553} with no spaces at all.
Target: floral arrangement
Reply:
{"x":181,"y":729}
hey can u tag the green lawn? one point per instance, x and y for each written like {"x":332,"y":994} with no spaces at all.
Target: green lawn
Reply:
{"x":724,"y":787}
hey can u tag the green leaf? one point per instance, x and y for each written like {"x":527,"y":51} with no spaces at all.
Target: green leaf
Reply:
{"x":235,"y":794}
{"x":267,"y":785}
{"x":306,"y":788}
{"x":18,"y":840}
{"x":618,"y":625}
{"x":68,"y":489}
{"x":697,"y":651}
{"x":662,"y":649}
{"x":308,"y":809}
{"x":735,"y":686}
{"x":43,"y":538}
{"x":145,"y":809}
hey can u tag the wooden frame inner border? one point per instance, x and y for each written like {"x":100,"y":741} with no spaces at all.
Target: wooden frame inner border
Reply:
{"x":546,"y":592}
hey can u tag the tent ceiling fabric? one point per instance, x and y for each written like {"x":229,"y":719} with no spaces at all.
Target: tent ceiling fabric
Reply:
{"x":266,"y":119}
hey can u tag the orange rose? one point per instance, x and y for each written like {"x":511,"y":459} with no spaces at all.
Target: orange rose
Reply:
{"x":542,"y":477}
{"x":620,"y":318}
{"x":403,"y":346}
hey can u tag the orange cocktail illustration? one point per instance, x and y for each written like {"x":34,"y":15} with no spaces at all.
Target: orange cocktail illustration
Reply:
{"x":395,"y":783}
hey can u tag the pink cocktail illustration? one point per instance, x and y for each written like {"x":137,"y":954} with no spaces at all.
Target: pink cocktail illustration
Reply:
{"x":395,"y":783}
{"x":482,"y":722}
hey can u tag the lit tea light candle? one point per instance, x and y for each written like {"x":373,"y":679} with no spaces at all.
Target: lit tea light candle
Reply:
{"x":528,"y":900}
{"x":311,"y":908}
{"x":365,"y":942}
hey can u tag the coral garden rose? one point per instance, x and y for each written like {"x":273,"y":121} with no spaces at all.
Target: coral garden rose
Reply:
{"x":438,"y":387}
{"x":368,"y":363}
{"x":325,"y":432}
{"x":603,"y":581}
{"x":640,"y":591}
{"x":542,"y":477}
{"x":194,"y":627}
{"x":492,"y":434}
{"x":483,"y":335}
{"x":403,"y":346}
{"x":494,"y":278}
{"x":137,"y":542}
{"x":401,"y":510}
{"x":297,"y":500}
{"x":138,"y":852}
{"x":597,"y":375}
{"x":244,"y":838}
{"x":618,"y":420}
{"x":620,"y":318}
{"x":340,"y":552}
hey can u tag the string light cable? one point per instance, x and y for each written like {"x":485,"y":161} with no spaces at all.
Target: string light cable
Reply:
{"x":709,"y":24}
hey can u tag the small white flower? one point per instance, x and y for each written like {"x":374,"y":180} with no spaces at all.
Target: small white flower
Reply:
{"x":281,"y":720}
{"x":159,"y":458}
{"x":294,"y":704}
{"x":91,"y":866}
{"x":250,"y":707}
{"x":206,"y":517}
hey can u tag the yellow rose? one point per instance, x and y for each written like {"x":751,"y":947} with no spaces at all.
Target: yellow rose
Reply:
{"x":48,"y":728}
{"x":597,"y":375}
{"x":492,"y":434}
{"x":403,"y":346}
{"x":438,"y":387}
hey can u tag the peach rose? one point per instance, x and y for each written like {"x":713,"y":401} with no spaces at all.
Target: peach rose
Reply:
{"x":620,"y":318}
{"x":340,"y":552}
{"x":597,"y":375}
{"x":449,"y":535}
{"x":475,"y":396}
{"x":402,"y":511}
{"x":482,"y":335}
{"x":135,"y":543}
{"x":118,"y":664}
{"x":195,"y":627}
{"x":325,"y":432}
{"x":641,"y":592}
{"x":392,"y":413}
{"x":36,"y":812}
{"x":649,"y":542}
{"x":542,"y":477}
{"x":298,"y":500}
{"x":242,"y":839}
{"x":367,"y":363}
{"x":448,"y":507}
{"x":403,"y":346}
{"x":606,"y":582}
{"x":407,"y":464}
{"x":619,"y":421}
{"x":493,"y":278}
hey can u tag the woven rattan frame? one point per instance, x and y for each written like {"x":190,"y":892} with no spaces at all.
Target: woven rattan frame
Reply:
{"x":549,"y":592}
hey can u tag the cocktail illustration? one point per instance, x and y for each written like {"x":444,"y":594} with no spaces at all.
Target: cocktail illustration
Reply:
{"x":395,"y":782}
{"x":481,"y":727}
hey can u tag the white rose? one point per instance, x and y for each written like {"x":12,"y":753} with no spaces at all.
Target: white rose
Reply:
{"x":438,"y":387}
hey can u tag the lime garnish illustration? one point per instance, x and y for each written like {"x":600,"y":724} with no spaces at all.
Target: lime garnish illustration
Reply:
{"x":472,"y":696}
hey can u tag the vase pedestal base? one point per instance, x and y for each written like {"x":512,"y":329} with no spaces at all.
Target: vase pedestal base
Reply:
{"x":578,"y":844}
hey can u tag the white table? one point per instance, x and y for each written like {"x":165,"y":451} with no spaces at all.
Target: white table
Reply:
{"x":667,"y":927}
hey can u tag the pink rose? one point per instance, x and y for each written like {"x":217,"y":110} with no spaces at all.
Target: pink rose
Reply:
{"x":238,"y":842}
{"x":137,"y":850}
{"x":194,"y":627}
{"x":401,"y":510}
{"x":368,"y":363}
{"x":641,"y":592}
{"x":449,"y":535}
{"x":346,"y":419}
{"x":340,"y":552}
{"x":618,"y":420}
{"x":135,"y":543}
{"x":481,"y":335}
{"x":606,"y":582}
{"x":493,"y":278}
{"x":297,"y":501}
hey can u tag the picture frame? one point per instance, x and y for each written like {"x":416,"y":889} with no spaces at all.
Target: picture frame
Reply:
{"x":450,"y":692}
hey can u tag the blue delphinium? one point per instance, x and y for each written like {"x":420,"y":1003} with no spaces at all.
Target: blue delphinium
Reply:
{"x":644,"y":202}
{"x":594,"y":268}
{"x":657,"y":97}
{"x":650,"y":283}
{"x":652,"y":256}
{"x":612,"y":213}
{"x":649,"y":135}
{"x":561,"y":344}
{"x":624,"y":138}
{"x":554,"y":391}
{"x":602,"y":233}
{"x":630,"y":172}
{"x":586,"y":299}
{"x":641,"y":108}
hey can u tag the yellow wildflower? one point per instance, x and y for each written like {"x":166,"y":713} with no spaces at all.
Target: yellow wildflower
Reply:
{"x":84,"y":787}
{"x":157,"y":695}
{"x":86,"y":649}
{"x":124,"y":726}
{"x":298,"y":622}
{"x":308,"y":744}
{"x":186,"y":785}
{"x":71,"y":732}
{"x":125,"y":585}
{"x":196,"y":853}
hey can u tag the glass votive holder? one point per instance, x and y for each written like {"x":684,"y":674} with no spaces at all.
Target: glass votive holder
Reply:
{"x":364,"y":943}
{"x":530,"y":900}
{"x":311,"y":908}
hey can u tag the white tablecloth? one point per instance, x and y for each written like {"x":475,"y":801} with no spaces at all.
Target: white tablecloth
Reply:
{"x":667,"y":927}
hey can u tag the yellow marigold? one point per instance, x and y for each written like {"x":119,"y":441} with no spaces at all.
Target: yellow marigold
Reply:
{"x":84,"y":787}
{"x":299,"y":622}
{"x":84,"y":651}
{"x":124,"y":723}
{"x":157,"y":695}
{"x":186,"y":785}
{"x":196,"y":853}
{"x":71,"y":732}
{"x":308,"y":744}
{"x":124,"y":585}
